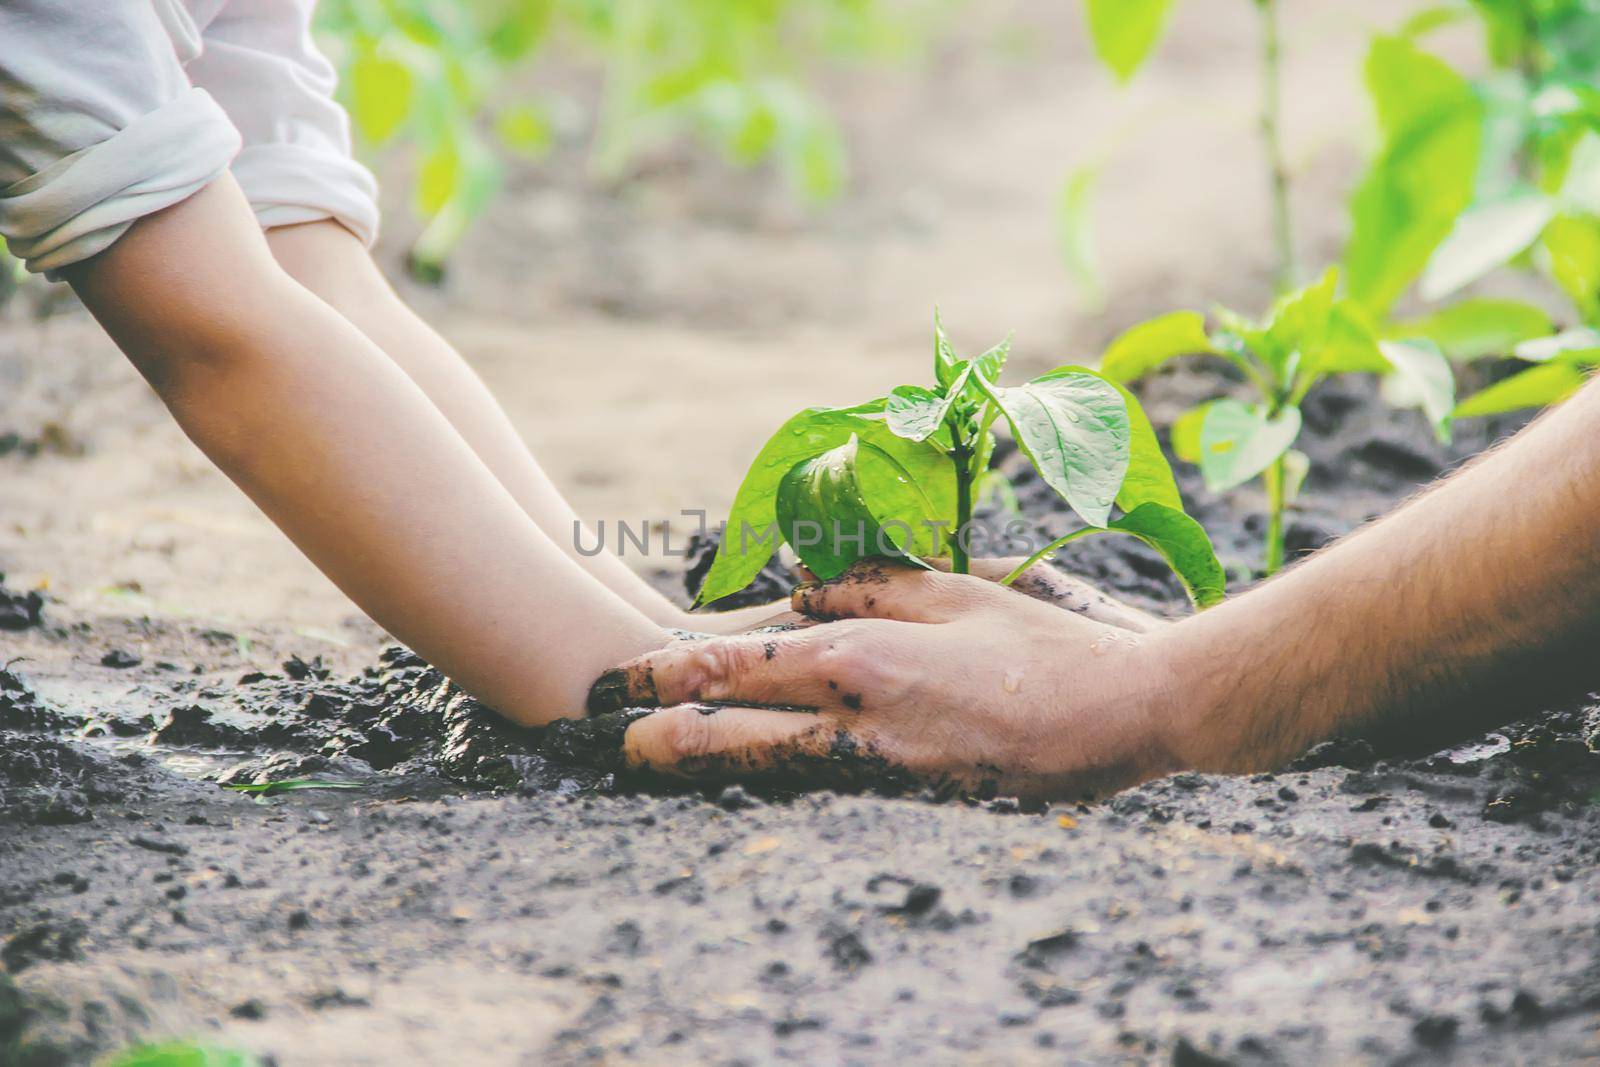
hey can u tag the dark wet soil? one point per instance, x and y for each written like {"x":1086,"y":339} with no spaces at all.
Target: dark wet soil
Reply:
{"x":497,"y":895}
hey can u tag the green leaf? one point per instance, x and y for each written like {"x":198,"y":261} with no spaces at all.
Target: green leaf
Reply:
{"x":945,"y":364}
{"x":1183,"y":543}
{"x":1477,"y":328}
{"x":1432,"y":18}
{"x":1185,"y":433}
{"x":1239,"y":442}
{"x":1572,"y":249}
{"x":749,"y":538}
{"x":521,"y":29}
{"x":292,"y":785}
{"x":1431,"y":122}
{"x":380,"y":95}
{"x":438,"y":178}
{"x":824,"y":515}
{"x":1580,"y":188}
{"x":525,"y":129}
{"x":1484,"y":238}
{"x":1536,"y":387}
{"x":1351,"y":345}
{"x":1076,"y":230}
{"x":1505,"y":27}
{"x":1422,"y":378}
{"x":992,"y":362}
{"x":1149,"y":478}
{"x":1126,"y":31}
{"x":916,"y":413}
{"x":1299,"y":323}
{"x":1074,"y":428}
{"x":1142,"y":348}
{"x":182,"y":1054}
{"x":1581,"y":345}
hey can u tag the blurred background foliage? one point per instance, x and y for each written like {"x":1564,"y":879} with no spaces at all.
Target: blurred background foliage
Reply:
{"x":1471,"y":171}
{"x":452,"y":81}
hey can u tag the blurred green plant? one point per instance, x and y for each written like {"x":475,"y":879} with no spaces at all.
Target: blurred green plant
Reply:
{"x":1468,"y":176}
{"x":1518,"y":184}
{"x":1309,"y":335}
{"x":445,"y":77}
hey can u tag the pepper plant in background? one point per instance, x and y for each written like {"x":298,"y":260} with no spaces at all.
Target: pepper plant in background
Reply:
{"x":1309,"y":334}
{"x":1467,"y":176}
{"x":1527,"y":196}
{"x":897,"y":476}
{"x":451,"y":77}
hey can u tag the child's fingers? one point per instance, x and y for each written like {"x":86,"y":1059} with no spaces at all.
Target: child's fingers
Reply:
{"x":884,"y":589}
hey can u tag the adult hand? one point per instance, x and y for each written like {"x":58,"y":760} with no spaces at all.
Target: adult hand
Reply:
{"x":932,"y":678}
{"x":1051,"y":585}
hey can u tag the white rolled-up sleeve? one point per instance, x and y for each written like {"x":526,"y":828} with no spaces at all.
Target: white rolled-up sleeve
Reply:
{"x":85,"y":201}
{"x":99,"y":124}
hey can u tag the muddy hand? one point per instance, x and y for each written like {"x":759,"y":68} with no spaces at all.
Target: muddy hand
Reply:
{"x":633,"y":686}
{"x":927,"y":677}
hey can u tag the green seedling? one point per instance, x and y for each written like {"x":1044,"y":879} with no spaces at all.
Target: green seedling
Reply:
{"x":181,"y":1054}
{"x":898,"y":476}
{"x":292,"y":785}
{"x":1310,"y":334}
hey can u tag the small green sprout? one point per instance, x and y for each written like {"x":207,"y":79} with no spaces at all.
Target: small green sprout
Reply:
{"x":898,"y":476}
{"x":1310,"y":334}
{"x":292,"y":785}
{"x":181,"y":1054}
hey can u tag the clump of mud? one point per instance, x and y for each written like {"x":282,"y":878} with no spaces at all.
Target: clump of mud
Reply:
{"x":49,"y":781}
{"x":399,"y":716}
{"x":19,"y":611}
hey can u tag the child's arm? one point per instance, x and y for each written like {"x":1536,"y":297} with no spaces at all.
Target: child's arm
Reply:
{"x":331,"y":262}
{"x":345,"y":453}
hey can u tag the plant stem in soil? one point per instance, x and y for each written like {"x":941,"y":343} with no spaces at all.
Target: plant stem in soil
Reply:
{"x":1272,"y":135}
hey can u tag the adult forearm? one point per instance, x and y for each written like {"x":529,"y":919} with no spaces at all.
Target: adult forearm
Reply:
{"x":349,"y":458}
{"x":1478,"y":600}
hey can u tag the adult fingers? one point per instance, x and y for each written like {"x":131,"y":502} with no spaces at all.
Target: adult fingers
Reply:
{"x":884,"y":589}
{"x":1050,"y":585}
{"x":813,"y":667}
{"x":709,"y":740}
{"x":712,"y":742}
